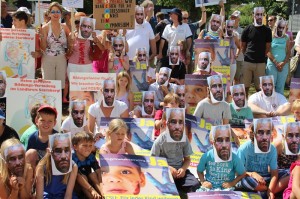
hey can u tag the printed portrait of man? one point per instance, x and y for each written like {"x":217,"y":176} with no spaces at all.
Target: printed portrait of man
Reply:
{"x":148,"y":103}
{"x":60,"y":145}
{"x":139,"y":15}
{"x":280,"y":28}
{"x":262,"y":135}
{"x":15,"y":159}
{"x":175,"y":123}
{"x":118,"y":45}
{"x":204,"y":61}
{"x":258,"y":16}
{"x":238,"y":95}
{"x":87,"y":26}
{"x":109,"y":92}
{"x":174,"y":55}
{"x":267,"y":85}
{"x":221,"y":142}
{"x":215,"y":22}
{"x":229,"y":28}
{"x":78,"y":112}
{"x":291,"y":138}
{"x":180,"y":91}
{"x":216,"y":88}
{"x":163,"y":76}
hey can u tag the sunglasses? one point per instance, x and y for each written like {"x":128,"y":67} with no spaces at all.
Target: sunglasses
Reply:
{"x":55,"y":12}
{"x":269,"y":20}
{"x":185,"y":18}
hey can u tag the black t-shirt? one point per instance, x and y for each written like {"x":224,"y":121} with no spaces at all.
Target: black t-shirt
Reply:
{"x":8,"y":133}
{"x":178,"y":71}
{"x":7,"y":21}
{"x":159,"y":28}
{"x":256,"y":39}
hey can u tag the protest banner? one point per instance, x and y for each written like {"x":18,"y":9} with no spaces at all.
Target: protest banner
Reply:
{"x":141,"y":133}
{"x":87,"y":86}
{"x":294,"y":90}
{"x":200,"y":3}
{"x":23,"y":94}
{"x":16,"y":48}
{"x":195,"y":90}
{"x":139,"y":81}
{"x":72,"y":3}
{"x":114,"y":14}
{"x":40,"y":9}
{"x":224,"y":195}
{"x":150,"y":177}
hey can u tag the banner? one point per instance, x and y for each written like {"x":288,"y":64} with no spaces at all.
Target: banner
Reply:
{"x":294,"y":90}
{"x":200,"y":3}
{"x":16,"y":48}
{"x":114,"y":14}
{"x":43,"y":8}
{"x":140,"y":133}
{"x":23,"y":94}
{"x":72,"y":3}
{"x":139,"y":81}
{"x":224,"y":195}
{"x":137,"y":177}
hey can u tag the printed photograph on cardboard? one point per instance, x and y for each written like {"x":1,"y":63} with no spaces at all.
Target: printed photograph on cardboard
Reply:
{"x":216,"y":89}
{"x":280,"y":28}
{"x":221,"y":137}
{"x":229,"y":28}
{"x":164,"y":76}
{"x":291,"y":138}
{"x":109,"y":93}
{"x":61,"y":153}
{"x":137,"y":175}
{"x":141,"y":58}
{"x":148,"y":103}
{"x":204,"y":61}
{"x":238,"y":94}
{"x":180,"y":91}
{"x":258,"y":16}
{"x":86,"y":27}
{"x":175,"y":125}
{"x":262,"y":135}
{"x":215,"y":23}
{"x":174,"y":55}
{"x":267,"y":85}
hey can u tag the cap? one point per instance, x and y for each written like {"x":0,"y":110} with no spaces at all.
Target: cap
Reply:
{"x":48,"y":107}
{"x":2,"y":114}
{"x":24,"y":9}
{"x":175,"y":11}
{"x":236,"y":13}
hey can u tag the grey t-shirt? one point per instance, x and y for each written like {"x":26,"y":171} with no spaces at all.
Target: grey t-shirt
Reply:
{"x":216,"y":112}
{"x":174,"y":152}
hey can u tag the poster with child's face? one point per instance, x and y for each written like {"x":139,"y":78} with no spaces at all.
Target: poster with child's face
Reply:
{"x":238,"y":94}
{"x":174,"y":55}
{"x":163,"y":76}
{"x":204,"y":62}
{"x":229,"y":28}
{"x":175,"y":124}
{"x":258,"y":16}
{"x":291,"y":138}
{"x":262,"y":135}
{"x":280,"y":28}
{"x":129,"y":175}
{"x":86,"y":27}
{"x":216,"y":90}
{"x":61,"y":156}
{"x":148,"y":103}
{"x":221,"y":136}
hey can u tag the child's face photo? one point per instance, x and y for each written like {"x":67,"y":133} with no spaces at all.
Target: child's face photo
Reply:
{"x":122,"y":180}
{"x":84,"y":149}
{"x":118,"y":136}
{"x":194,"y":94}
{"x":45,"y":123}
{"x":297,"y":114}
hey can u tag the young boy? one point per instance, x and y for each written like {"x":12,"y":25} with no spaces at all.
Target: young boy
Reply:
{"x":38,"y":141}
{"x":220,"y":175}
{"x":83,"y":144}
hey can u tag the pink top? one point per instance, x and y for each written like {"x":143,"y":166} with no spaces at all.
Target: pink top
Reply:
{"x":287,"y":192}
{"x":121,"y":151}
{"x":80,"y":53}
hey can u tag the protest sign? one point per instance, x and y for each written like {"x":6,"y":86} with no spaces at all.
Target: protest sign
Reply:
{"x":114,"y":14}
{"x":16,"y":48}
{"x":72,"y":3}
{"x":200,"y":3}
{"x":23,"y":94}
{"x":294,"y":90}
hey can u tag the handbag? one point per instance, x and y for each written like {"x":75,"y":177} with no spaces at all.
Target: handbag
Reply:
{"x":294,"y":63}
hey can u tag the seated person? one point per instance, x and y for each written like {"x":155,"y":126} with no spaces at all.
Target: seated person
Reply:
{"x":16,"y":175}
{"x":238,"y":107}
{"x":76,"y":121}
{"x":6,"y":131}
{"x":162,"y":87}
{"x":220,"y":174}
{"x":267,"y":102}
{"x":259,"y":157}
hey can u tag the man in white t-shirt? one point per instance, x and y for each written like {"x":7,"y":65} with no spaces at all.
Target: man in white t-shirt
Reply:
{"x":141,"y":36}
{"x":267,"y":102}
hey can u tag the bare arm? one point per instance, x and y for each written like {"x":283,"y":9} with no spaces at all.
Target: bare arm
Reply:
{"x":91,"y":124}
{"x":44,"y":34}
{"x":296,"y":182}
{"x":200,"y":36}
{"x":203,"y":16}
{"x":256,"y":109}
{"x":131,"y":101}
{"x":125,"y":114}
{"x":39,"y":182}
{"x":268,"y":48}
{"x":129,"y":149}
{"x":273,"y":182}
{"x":244,"y":46}
{"x":26,"y":190}
{"x":284,"y":109}
{"x":153,"y":48}
{"x":161,"y":45}
{"x":71,"y":182}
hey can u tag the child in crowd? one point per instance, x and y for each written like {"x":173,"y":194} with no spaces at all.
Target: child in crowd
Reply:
{"x":296,"y":109}
{"x":56,"y":186}
{"x":293,"y":189}
{"x":38,"y":141}
{"x":115,"y":139}
{"x":16,"y":175}
{"x":89,"y":173}
{"x":171,"y":100}
{"x":123,"y":89}
{"x":220,"y":175}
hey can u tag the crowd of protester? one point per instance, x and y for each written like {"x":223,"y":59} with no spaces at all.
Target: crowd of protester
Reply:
{"x":259,"y":55}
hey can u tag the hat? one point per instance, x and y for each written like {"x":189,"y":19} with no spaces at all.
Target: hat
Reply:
{"x":175,"y":11}
{"x":236,"y":13}
{"x":2,"y":114}
{"x":48,"y":107}
{"x":24,"y":9}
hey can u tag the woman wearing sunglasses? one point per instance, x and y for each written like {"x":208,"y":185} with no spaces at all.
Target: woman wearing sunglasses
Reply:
{"x":54,"y":45}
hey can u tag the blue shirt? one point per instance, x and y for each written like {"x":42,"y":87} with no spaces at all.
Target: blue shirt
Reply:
{"x":257,"y":162}
{"x":219,"y":172}
{"x":238,"y":117}
{"x":85,"y":167}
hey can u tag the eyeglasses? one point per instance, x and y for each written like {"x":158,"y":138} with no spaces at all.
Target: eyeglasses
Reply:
{"x":269,"y":20}
{"x":55,"y":12}
{"x":77,"y":22}
{"x":185,"y":18}
{"x":59,"y":151}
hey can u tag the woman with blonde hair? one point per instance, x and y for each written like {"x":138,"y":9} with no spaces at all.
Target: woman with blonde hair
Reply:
{"x":123,"y":89}
{"x":16,"y":175}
